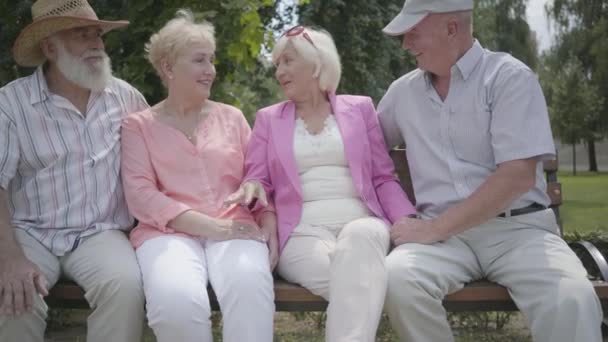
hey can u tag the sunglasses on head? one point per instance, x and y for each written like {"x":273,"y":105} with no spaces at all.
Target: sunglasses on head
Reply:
{"x":297,"y":30}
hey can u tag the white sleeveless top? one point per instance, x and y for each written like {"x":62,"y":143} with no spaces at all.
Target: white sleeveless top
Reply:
{"x":328,"y":192}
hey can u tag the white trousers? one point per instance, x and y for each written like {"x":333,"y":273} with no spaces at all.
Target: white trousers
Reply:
{"x":346,"y":267}
{"x":104,"y":265}
{"x":175,"y":272}
{"x":523,"y":253}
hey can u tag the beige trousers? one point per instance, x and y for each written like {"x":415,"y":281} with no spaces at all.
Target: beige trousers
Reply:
{"x":523,"y":253}
{"x":344,"y":265}
{"x":106,"y":268}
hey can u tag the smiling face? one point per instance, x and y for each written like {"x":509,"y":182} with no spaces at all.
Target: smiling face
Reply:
{"x":429,"y":42}
{"x":296,"y":75}
{"x":193,"y":72}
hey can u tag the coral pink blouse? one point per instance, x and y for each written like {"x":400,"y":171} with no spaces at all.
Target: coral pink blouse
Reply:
{"x":164,"y":174}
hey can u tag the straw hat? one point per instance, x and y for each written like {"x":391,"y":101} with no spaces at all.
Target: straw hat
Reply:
{"x":51,"y":16}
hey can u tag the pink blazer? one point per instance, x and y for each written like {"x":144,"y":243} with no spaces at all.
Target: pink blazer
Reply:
{"x":270,"y":160}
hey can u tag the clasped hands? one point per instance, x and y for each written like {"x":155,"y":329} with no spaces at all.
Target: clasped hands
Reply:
{"x":415,"y":230}
{"x":244,"y":196}
{"x":246,"y":193}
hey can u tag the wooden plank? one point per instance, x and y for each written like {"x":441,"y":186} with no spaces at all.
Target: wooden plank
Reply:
{"x":550,"y":165}
{"x":554,"y":190}
{"x":67,"y":290}
{"x":480,"y":291}
{"x":476,"y":296}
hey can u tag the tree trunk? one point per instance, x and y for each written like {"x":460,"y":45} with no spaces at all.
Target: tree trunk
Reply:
{"x":592,"y":157}
{"x":574,"y":159}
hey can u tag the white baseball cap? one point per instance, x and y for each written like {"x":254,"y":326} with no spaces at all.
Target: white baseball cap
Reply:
{"x":414,"y":11}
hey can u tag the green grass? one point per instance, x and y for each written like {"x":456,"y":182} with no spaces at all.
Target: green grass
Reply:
{"x":585,"y":207}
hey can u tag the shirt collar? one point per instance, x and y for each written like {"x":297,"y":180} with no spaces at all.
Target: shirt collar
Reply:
{"x":40,"y":89}
{"x":465,"y":65}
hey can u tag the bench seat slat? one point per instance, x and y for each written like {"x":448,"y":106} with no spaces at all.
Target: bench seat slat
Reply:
{"x":478,"y":296}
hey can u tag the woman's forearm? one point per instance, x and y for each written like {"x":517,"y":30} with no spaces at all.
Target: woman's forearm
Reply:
{"x":194,"y":223}
{"x":198,"y":224}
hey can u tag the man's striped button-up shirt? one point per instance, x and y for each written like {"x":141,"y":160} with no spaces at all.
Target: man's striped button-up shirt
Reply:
{"x":61,"y":168}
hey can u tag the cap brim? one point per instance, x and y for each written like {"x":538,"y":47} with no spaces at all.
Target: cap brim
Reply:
{"x":402,"y":23}
{"x":26,"y":50}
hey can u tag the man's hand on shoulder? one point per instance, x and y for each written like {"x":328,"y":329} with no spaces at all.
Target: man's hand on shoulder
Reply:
{"x":415,"y":230}
{"x":20,"y":281}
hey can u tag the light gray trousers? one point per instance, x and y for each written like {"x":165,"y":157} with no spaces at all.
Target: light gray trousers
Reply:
{"x":523,"y":253}
{"x":105,"y":266}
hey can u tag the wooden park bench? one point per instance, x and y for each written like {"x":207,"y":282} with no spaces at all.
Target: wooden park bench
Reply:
{"x":476,"y":296}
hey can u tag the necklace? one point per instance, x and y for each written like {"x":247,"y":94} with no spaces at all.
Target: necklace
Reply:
{"x":188,"y":125}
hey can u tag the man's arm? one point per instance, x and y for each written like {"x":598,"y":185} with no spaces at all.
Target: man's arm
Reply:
{"x":510,"y":180}
{"x":386,"y":115}
{"x":19,"y":277}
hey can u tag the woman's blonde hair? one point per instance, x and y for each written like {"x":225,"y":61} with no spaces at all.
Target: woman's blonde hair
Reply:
{"x":175,"y":37}
{"x":320,"y":50}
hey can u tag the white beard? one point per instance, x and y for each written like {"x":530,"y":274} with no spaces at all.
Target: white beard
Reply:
{"x":94,"y":77}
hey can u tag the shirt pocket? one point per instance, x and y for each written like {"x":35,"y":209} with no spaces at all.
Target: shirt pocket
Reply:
{"x":469,"y":133}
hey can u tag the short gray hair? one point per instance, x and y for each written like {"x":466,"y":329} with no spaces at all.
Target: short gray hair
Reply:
{"x":323,"y":54}
{"x":178,"y":34}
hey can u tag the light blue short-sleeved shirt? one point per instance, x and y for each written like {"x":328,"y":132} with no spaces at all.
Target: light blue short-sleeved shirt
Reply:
{"x":495,"y":112}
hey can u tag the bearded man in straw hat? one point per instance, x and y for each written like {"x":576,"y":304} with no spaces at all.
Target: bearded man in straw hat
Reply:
{"x":62,"y":209}
{"x":476,"y":128}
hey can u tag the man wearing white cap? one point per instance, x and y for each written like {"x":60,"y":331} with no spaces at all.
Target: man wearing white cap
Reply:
{"x":476,"y":129}
{"x":62,"y":207}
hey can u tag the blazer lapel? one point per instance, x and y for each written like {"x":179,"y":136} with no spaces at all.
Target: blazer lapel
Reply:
{"x":283,"y":126}
{"x":353,"y":134}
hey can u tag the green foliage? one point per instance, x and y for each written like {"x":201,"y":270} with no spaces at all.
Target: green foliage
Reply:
{"x":582,"y":27}
{"x":500,"y":25}
{"x":240,"y":34}
{"x":575,"y":103}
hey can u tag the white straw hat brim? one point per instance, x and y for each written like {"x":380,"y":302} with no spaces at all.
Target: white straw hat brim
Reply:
{"x":26,"y":50}
{"x":402,"y":23}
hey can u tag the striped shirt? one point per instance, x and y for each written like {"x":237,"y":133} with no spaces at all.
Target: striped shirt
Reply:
{"x":60,"y":168}
{"x":495,"y":112}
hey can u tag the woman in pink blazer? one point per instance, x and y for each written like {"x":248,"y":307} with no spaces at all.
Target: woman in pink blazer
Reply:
{"x":321,"y":159}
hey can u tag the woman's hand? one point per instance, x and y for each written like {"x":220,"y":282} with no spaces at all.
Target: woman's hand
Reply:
{"x":268,"y":222}
{"x":246,"y":193}
{"x":273,"y":249}
{"x":233,"y":230}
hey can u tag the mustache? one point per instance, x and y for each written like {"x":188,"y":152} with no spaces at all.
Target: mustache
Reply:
{"x":94,"y":53}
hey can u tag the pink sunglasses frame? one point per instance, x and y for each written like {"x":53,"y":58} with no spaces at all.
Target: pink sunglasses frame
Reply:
{"x":297,"y":30}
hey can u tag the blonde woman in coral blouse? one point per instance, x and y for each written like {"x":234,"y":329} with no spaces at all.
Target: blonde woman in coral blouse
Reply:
{"x":180,"y":159}
{"x":323,"y":161}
